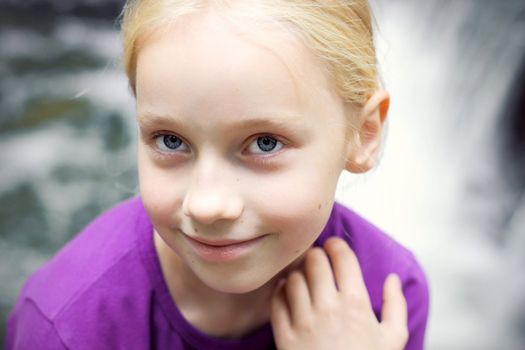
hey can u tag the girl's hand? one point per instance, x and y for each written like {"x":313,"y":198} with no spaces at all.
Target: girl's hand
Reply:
{"x":309,"y":312}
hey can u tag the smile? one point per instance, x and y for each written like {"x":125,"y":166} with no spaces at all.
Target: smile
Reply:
{"x":221,"y":250}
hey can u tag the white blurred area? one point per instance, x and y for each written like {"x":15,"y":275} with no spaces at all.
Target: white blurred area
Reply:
{"x":448,"y":66}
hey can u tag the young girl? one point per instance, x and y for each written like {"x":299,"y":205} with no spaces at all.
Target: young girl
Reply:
{"x":247,"y":113}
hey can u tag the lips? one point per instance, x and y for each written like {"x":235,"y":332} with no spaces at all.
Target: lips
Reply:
{"x":222,"y":250}
{"x":222,"y":242}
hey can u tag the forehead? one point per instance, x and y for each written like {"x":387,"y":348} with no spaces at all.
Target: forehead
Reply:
{"x":204,"y":63}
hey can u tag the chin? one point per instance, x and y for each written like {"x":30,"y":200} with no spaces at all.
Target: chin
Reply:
{"x":236,"y":284}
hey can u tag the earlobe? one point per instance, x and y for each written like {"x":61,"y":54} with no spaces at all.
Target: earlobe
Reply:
{"x":364,"y":148}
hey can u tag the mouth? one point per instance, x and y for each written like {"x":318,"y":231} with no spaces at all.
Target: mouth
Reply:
{"x":222,"y":250}
{"x":222,"y":242}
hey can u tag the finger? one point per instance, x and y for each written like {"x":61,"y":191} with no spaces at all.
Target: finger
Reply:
{"x":394,"y":310}
{"x":345,"y":265}
{"x":297,"y":296}
{"x":280,"y":315}
{"x":319,"y":275}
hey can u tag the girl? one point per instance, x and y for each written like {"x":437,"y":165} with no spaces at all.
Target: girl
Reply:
{"x":247,"y":113}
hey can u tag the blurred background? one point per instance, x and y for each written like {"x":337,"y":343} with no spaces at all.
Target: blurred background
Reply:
{"x":450,"y":185}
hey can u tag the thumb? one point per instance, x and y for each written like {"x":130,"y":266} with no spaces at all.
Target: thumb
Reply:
{"x":394,"y":311}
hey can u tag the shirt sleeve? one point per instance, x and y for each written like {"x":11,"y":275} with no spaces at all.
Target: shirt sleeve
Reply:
{"x":28,"y":329}
{"x":416,"y":291}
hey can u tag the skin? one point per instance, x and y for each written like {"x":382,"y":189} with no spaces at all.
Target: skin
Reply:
{"x":309,"y":312}
{"x":213,"y":88}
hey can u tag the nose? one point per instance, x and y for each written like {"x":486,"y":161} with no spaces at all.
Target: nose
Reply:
{"x":211,"y":201}
{"x":210,"y":205}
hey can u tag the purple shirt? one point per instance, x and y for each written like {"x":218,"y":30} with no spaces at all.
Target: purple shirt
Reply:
{"x":105,"y":289}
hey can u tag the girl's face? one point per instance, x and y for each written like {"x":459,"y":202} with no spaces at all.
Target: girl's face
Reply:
{"x":241,"y":143}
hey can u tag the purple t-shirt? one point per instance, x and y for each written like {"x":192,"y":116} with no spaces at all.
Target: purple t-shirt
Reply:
{"x":105,"y":289}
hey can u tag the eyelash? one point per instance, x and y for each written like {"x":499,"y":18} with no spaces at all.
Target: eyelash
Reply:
{"x":260,"y":158}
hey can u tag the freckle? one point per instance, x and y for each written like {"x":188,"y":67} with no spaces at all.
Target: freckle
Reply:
{"x":319,"y":206}
{"x":196,"y":229}
{"x":238,"y":179}
{"x":297,"y":251}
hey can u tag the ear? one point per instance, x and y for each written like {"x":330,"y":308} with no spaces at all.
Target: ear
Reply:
{"x":363,"y":149}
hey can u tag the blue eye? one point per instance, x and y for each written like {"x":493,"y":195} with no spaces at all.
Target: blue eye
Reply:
{"x":170,"y":143}
{"x":265,"y":144}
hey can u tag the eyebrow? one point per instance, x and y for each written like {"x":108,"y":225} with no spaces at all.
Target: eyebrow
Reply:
{"x":154,"y":120}
{"x":283,"y":121}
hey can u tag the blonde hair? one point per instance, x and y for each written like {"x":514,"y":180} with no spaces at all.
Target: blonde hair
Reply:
{"x":338,"y":32}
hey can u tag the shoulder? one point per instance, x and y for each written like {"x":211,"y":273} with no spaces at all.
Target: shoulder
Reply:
{"x":93,"y":252}
{"x":37,"y":332}
{"x":94,"y":277}
{"x":378,"y":255}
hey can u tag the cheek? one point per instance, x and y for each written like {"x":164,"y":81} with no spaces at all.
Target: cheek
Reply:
{"x":158,"y":192}
{"x":296,"y":206}
{"x":303,"y":189}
